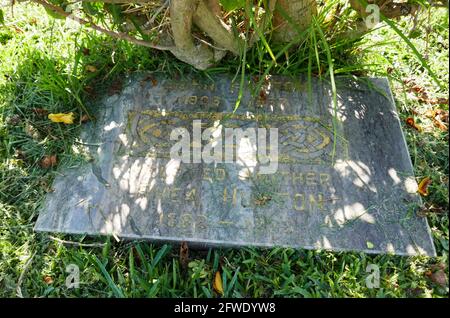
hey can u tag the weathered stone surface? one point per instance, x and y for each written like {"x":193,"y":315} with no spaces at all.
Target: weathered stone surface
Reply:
{"x":344,"y":179}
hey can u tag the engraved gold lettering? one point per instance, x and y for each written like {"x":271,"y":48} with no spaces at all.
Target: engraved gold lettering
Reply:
{"x":316,"y":202}
{"x":299,"y":197}
{"x":185,"y":220}
{"x":311,"y":178}
{"x":171,"y":218}
{"x":173,"y":193}
{"x":297,"y":176}
{"x":204,"y":100}
{"x":233,"y":196}
{"x":190,"y":195}
{"x":192,"y":100}
{"x":201,"y":222}
{"x":216,"y":101}
{"x":207,"y":174}
{"x":325,"y":178}
{"x":220,"y":174}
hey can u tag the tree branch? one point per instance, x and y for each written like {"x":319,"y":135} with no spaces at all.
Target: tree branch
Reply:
{"x":117,"y":35}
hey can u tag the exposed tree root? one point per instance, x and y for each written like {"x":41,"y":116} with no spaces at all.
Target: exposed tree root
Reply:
{"x":285,"y":18}
{"x":200,"y":55}
{"x":211,"y":24}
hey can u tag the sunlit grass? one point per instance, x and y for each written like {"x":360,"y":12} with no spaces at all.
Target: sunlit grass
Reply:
{"x":43,"y":66}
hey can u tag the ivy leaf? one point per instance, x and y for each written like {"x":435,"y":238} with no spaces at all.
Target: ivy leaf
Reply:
{"x":230,"y":5}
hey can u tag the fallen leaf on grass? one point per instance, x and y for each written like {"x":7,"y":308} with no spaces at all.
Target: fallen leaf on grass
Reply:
{"x":184,"y":255}
{"x":430,"y":209}
{"x":13,"y":120}
{"x":66,"y":118}
{"x":17,"y":29}
{"x":48,"y":280}
{"x":440,"y":125}
{"x":423,"y":186}
{"x":217,"y":284}
{"x":422,"y":94}
{"x":417,"y":89}
{"x":439,"y":277}
{"x":439,"y":118}
{"x":84,"y":118}
{"x":433,"y":101}
{"x":91,"y":68}
{"x":48,"y":161}
{"x":40,"y":111}
{"x":90,"y":91}
{"x":31,"y":131}
{"x":411,"y":122}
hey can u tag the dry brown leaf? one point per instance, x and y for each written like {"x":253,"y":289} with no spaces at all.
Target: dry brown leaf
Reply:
{"x":48,"y":280}
{"x":89,"y":90}
{"x":442,"y":101}
{"x":423,"y":186}
{"x":31,"y":131}
{"x":40,"y":111}
{"x":217,"y":284}
{"x":184,"y":255}
{"x":440,"y":125}
{"x":412,"y":123}
{"x":417,"y":89}
{"x":17,"y":29}
{"x":14,"y":120}
{"x":430,"y":209}
{"x":439,"y":118}
{"x":85,"y":118}
{"x":433,"y":101}
{"x":48,"y":161}
{"x":91,"y":68}
{"x":439,"y":277}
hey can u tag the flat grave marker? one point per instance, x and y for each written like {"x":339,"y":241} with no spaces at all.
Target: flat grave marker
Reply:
{"x":332,"y":176}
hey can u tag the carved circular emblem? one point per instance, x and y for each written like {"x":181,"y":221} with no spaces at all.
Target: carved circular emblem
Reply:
{"x":302,"y":139}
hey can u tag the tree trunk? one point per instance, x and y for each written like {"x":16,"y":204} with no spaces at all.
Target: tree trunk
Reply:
{"x":300,"y":13}
{"x":216,"y":38}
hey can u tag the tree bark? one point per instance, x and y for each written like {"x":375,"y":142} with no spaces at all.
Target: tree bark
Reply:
{"x":300,"y":13}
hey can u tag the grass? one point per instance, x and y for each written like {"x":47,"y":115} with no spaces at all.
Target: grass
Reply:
{"x":43,"y":68}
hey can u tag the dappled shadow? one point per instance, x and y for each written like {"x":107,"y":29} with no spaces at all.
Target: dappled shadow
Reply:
{"x":343,"y":182}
